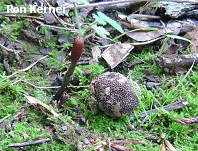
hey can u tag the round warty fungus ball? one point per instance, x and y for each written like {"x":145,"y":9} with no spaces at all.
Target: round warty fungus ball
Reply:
{"x":115,"y":94}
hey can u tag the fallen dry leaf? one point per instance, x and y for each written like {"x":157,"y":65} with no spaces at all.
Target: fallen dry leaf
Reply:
{"x":96,"y":53}
{"x":115,"y":53}
{"x":193,"y":36}
{"x":34,"y":101}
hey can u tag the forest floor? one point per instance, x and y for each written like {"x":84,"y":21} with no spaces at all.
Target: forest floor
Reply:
{"x":32,"y":56}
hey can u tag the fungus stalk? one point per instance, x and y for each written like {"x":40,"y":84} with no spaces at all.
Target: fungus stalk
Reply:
{"x":77,"y":49}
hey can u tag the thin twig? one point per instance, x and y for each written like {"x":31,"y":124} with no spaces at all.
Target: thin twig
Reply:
{"x":185,"y":121}
{"x":6,"y":49}
{"x":55,"y":27}
{"x":140,"y":16}
{"x":71,"y":7}
{"x":25,"y":69}
{"x":16,"y":145}
{"x":173,"y":106}
{"x":58,"y":18}
{"x":190,"y":69}
{"x":23,"y":16}
{"x":47,"y":87}
{"x":77,"y":17}
{"x":124,"y":1}
{"x":138,"y":43}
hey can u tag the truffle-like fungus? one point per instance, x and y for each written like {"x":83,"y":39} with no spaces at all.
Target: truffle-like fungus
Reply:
{"x":115,"y":94}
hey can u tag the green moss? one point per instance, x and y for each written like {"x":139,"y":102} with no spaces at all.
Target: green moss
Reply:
{"x":94,"y":71}
{"x":8,"y":96}
{"x":39,"y":123}
{"x":53,"y":61}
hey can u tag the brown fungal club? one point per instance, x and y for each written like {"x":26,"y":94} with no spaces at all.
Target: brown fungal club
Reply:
{"x":115,"y":94}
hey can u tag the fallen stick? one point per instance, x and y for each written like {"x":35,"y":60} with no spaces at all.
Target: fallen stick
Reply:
{"x":174,"y":106}
{"x":167,"y":61}
{"x":25,"y":69}
{"x":182,"y":1}
{"x":105,"y":3}
{"x":71,"y":7}
{"x":16,"y":145}
{"x":125,"y":1}
{"x":185,"y":121}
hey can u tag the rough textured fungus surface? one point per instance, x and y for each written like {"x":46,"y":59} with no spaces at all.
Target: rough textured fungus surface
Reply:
{"x":115,"y":94}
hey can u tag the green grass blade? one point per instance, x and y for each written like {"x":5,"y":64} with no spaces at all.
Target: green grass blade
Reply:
{"x":110,"y":21}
